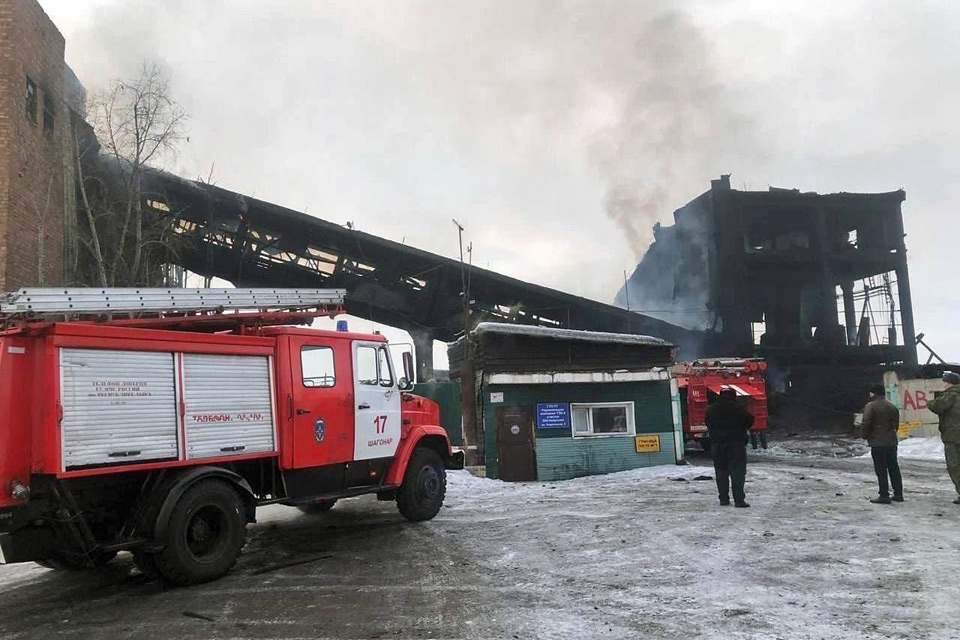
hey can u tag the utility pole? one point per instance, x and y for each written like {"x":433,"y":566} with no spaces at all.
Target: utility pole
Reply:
{"x":466,"y":306}
{"x":471,"y":429}
{"x":626,"y":289}
{"x":463,"y":279}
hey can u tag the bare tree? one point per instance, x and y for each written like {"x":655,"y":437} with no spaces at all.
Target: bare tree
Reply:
{"x":42,"y":210}
{"x":139,"y":126}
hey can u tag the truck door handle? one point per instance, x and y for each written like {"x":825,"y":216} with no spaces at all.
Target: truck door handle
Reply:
{"x":302,"y":412}
{"x":363,"y":405}
{"x":123,"y":454}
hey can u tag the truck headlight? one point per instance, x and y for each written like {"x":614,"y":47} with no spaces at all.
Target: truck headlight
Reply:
{"x":19,"y":491}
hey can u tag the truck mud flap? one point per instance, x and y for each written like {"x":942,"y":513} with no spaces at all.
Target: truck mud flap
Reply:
{"x":26,"y":545}
{"x":7,"y":523}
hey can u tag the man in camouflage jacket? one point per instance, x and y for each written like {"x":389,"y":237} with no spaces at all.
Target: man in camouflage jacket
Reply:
{"x":947,"y":406}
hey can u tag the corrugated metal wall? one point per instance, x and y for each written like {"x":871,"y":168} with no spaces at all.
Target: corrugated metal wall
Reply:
{"x":229,"y":408}
{"x":447,"y":395}
{"x":118,"y":407}
{"x":121,"y":407}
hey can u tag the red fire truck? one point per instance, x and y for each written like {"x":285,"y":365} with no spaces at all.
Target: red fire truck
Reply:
{"x":701,"y":381}
{"x":161,"y":433}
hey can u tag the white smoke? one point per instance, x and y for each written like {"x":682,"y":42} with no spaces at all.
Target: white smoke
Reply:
{"x":625,"y":88}
{"x":628,"y":85}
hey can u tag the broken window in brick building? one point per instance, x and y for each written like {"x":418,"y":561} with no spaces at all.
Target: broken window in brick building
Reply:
{"x":49,"y":109}
{"x":31,"y":105}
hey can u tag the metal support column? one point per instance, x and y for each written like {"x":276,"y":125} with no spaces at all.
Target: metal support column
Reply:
{"x":906,"y":309}
{"x":849,"y":312}
{"x":828,"y":325}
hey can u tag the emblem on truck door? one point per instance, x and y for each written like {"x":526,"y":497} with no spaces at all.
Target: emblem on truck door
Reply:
{"x":318,"y":430}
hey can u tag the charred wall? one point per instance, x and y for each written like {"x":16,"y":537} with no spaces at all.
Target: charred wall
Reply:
{"x":805,"y":280}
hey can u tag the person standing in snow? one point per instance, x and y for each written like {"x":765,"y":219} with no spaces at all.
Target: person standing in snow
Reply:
{"x":881,"y":419}
{"x":947,"y":406}
{"x":729,"y":425}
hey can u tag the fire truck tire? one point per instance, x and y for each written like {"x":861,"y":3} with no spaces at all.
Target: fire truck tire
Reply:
{"x":205,"y":534}
{"x":314,"y":508}
{"x":705,"y":443}
{"x":424,"y":486}
{"x":763,"y":439}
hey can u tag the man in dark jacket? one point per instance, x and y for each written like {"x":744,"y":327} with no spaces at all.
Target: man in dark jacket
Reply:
{"x":729,"y":425}
{"x":880,"y":422}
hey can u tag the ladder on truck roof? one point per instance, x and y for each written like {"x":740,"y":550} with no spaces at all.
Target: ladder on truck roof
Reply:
{"x":33,"y":302}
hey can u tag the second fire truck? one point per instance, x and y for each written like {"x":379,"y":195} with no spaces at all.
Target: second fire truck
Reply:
{"x":700,"y":383}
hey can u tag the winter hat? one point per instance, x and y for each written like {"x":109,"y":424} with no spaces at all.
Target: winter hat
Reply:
{"x":951,"y":377}
{"x":878,"y":390}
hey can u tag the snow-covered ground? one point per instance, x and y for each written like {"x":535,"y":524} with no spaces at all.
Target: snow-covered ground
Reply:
{"x":921,"y":449}
{"x":640,"y":554}
{"x":845,"y":447}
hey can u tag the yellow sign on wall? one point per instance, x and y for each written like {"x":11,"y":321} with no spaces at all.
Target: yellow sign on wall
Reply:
{"x":648,"y":444}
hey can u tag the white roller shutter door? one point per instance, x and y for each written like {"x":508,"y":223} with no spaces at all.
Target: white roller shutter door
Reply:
{"x":229,"y":405}
{"x":118,"y":407}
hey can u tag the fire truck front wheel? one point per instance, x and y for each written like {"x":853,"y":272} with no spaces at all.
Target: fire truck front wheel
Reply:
{"x":424,"y":486}
{"x":205,"y":534}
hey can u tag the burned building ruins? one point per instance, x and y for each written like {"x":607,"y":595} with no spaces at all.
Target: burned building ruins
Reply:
{"x":817,"y":284}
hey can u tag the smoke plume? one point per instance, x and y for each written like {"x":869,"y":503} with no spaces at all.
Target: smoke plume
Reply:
{"x":627,"y":85}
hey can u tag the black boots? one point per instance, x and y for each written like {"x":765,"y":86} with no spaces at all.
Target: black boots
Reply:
{"x":881,"y":500}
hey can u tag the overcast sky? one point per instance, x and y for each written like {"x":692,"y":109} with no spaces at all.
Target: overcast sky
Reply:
{"x":556,"y":131}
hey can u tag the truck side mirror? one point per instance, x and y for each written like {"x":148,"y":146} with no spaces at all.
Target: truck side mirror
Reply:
{"x":406,"y":383}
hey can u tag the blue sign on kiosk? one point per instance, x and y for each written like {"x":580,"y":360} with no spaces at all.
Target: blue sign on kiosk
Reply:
{"x":554,"y":415}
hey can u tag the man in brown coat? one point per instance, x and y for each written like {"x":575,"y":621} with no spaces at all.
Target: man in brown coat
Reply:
{"x":880,"y":422}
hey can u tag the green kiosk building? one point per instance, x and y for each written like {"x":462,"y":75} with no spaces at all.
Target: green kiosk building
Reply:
{"x":553,"y":404}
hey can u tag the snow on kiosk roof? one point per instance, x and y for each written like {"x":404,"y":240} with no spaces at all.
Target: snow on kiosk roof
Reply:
{"x":504,"y":328}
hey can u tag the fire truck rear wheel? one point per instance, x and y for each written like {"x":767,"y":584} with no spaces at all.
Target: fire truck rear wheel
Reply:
{"x":705,"y":443}
{"x":313,"y":508}
{"x":424,"y":486}
{"x":204,"y":536}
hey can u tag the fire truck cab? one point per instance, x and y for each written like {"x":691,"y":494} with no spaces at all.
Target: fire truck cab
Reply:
{"x":700,"y":383}
{"x":162,"y":435}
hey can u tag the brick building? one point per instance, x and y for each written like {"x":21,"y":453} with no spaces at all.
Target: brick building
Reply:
{"x":36,"y":159}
